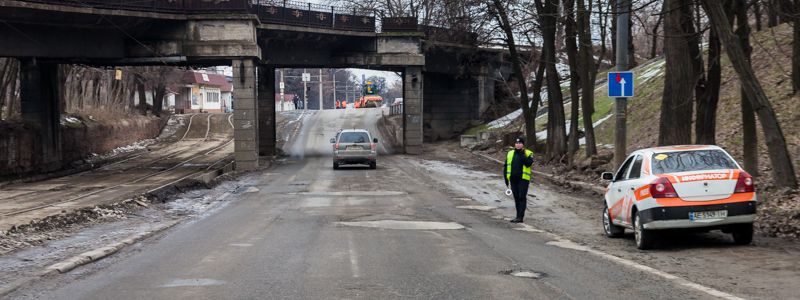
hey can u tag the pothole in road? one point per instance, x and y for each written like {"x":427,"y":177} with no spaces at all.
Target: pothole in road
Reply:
{"x":405,"y":225}
{"x":193,"y":282}
{"x":477,"y":207}
{"x":523,"y":273}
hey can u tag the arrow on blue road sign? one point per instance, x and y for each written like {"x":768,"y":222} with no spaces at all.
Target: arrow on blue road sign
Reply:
{"x":620,"y":84}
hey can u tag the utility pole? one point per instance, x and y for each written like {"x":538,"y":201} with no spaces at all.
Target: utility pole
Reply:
{"x":282,"y":90}
{"x":621,"y":104}
{"x":335,"y":101}
{"x":320,"y":89}
{"x":305,"y":94}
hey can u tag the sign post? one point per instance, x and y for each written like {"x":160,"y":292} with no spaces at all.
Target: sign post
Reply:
{"x":306,"y":79}
{"x":621,"y":84}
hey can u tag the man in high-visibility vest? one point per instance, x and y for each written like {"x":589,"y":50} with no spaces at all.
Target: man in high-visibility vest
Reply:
{"x":517,"y":171}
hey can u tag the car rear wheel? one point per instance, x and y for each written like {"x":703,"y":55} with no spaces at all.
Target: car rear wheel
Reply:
{"x":611,"y":230}
{"x":743,"y":234}
{"x":645,"y":239}
{"x":373,"y":165}
{"x":335,"y":165}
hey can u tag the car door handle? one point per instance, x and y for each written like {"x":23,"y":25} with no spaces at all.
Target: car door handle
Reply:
{"x":619,"y":190}
{"x":633,"y":189}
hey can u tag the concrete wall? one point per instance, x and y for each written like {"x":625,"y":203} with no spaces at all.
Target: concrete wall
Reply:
{"x":245,"y":116}
{"x":20,"y":145}
{"x":413,"y":85}
{"x":451,"y":104}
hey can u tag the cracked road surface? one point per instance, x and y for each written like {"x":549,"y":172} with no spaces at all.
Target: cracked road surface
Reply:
{"x":305,"y":231}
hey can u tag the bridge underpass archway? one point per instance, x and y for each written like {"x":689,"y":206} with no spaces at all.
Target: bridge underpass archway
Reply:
{"x":350,"y":99}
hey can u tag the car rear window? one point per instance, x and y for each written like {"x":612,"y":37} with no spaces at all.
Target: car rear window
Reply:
{"x":684,"y":161}
{"x":354,"y":137}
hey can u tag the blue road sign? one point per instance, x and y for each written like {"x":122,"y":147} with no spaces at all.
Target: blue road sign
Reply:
{"x":620,"y":84}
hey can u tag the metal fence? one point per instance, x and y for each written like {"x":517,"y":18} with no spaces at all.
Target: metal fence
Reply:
{"x":159,"y":5}
{"x":313,"y":15}
{"x":396,"y":109}
{"x":283,"y":12}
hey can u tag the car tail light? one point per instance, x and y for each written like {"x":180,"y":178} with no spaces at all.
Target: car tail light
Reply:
{"x":336,"y":146}
{"x":373,"y":146}
{"x":662,"y":188}
{"x":745,"y":184}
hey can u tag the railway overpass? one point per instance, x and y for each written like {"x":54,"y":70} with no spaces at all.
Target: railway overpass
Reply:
{"x":447,"y":79}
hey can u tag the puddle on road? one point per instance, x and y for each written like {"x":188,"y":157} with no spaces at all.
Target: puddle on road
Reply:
{"x":193,"y":282}
{"x":351,"y":193}
{"x":405,"y":225}
{"x":477,"y":207}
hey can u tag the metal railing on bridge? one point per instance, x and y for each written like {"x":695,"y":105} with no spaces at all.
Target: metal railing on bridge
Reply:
{"x":313,"y":15}
{"x":284,"y":12}
{"x":174,"y":6}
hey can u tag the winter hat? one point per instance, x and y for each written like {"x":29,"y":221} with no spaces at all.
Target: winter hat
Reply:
{"x":520,"y":140}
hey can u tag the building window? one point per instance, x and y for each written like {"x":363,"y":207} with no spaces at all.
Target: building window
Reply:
{"x":212,"y":97}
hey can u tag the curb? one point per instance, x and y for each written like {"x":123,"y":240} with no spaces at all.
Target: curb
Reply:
{"x":102,"y":252}
{"x":589,"y":186}
{"x":83,"y":259}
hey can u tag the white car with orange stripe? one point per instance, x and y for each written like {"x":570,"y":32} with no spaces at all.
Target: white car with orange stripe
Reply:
{"x":693,"y":186}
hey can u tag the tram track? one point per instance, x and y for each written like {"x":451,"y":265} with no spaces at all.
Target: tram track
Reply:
{"x":170,"y":172}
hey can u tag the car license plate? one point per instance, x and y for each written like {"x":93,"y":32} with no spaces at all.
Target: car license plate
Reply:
{"x":705,"y":215}
{"x":354,"y":147}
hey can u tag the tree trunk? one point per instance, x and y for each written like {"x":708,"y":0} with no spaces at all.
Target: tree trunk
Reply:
{"x":738,"y":11}
{"x":142,"y":96}
{"x":682,"y":73}
{"x":530,"y":118}
{"x":603,"y":27}
{"x":588,"y":71}
{"x":706,"y":122}
{"x":654,"y":44}
{"x":785,"y":11}
{"x":757,"y":13}
{"x":782,"y":168}
{"x":631,"y":49}
{"x":574,"y":79}
{"x":158,"y":99}
{"x":772,"y":13}
{"x":556,"y":131}
{"x":796,"y":49}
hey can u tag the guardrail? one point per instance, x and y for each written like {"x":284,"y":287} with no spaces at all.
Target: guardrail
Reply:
{"x":285,"y":12}
{"x":396,"y":109}
{"x":313,"y":15}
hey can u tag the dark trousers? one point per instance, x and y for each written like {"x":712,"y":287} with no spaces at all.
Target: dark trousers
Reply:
{"x":519,"y":188}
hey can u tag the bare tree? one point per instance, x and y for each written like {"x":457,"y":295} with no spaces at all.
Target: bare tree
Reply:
{"x":556,"y":131}
{"x":683,"y":70}
{"x":588,"y":73}
{"x":796,"y":48}
{"x":574,"y":78}
{"x":499,"y":10}
{"x":706,"y":121}
{"x":782,"y":168}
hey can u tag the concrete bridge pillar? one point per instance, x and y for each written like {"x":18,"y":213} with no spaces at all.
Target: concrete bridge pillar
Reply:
{"x":266,"y":110}
{"x":245,"y":116}
{"x":41,"y":107}
{"x":412,"y":110}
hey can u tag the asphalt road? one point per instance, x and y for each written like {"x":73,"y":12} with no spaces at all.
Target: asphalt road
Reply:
{"x":305,"y":231}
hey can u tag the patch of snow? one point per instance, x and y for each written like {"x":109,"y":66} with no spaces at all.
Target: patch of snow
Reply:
{"x":505,"y":120}
{"x":653,"y":70}
{"x":174,"y":123}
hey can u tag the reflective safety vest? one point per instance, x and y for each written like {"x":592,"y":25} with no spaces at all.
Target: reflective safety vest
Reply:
{"x":526,"y":171}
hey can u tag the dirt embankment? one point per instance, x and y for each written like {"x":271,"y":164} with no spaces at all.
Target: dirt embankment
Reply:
{"x":19,"y":143}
